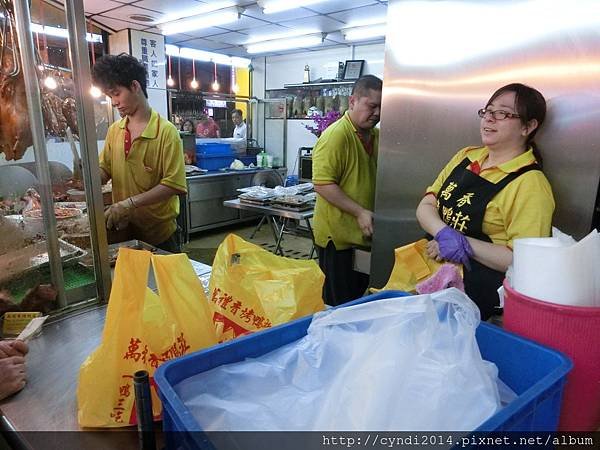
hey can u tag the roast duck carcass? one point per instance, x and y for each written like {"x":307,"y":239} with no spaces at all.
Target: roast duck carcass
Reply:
{"x":15,"y":132}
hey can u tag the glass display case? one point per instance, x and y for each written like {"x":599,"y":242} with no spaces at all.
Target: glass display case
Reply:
{"x":53,"y":248}
{"x":306,"y":99}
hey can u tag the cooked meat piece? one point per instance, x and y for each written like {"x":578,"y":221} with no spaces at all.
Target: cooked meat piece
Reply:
{"x":33,"y":200}
{"x":39,"y":298}
{"x":69,"y":110}
{"x":15,"y":134}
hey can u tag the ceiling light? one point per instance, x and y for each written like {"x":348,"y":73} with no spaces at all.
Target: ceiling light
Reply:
{"x":362,"y":33}
{"x":285,"y":44}
{"x":367,"y":21}
{"x":95,"y":92}
{"x":61,"y":32}
{"x":171,"y":50}
{"x":170,"y":82}
{"x":216,"y":86}
{"x":191,"y":12}
{"x":201,"y":21}
{"x":282,"y":35}
{"x":275,"y":6}
{"x":194,"y":84}
{"x":201,"y":55}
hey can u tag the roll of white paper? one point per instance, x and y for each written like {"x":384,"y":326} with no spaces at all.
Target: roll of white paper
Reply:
{"x":551,"y":270}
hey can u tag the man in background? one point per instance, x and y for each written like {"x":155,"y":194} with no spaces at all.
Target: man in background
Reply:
{"x":143,"y":155}
{"x":207,"y":127}
{"x":240,"y":126}
{"x":344,"y":170}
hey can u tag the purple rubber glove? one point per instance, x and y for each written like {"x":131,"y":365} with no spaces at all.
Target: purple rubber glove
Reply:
{"x":454,"y":246}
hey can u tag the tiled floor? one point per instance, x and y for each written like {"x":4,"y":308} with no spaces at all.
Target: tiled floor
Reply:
{"x":203,"y":245}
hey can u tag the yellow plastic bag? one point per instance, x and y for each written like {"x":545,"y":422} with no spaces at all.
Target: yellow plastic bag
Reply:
{"x":252,"y":289}
{"x":141,"y":331}
{"x":411,"y":266}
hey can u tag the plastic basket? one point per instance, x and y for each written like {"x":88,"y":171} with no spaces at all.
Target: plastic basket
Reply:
{"x":536,"y":373}
{"x":213,"y":162}
{"x":574,"y":330}
{"x":213,"y":148}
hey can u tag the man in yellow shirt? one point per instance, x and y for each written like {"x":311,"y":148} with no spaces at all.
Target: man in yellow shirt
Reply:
{"x":143,"y":155}
{"x":344,"y":170}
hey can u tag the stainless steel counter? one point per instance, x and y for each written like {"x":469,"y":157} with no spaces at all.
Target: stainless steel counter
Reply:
{"x":207,"y":192}
{"x":48,"y":402}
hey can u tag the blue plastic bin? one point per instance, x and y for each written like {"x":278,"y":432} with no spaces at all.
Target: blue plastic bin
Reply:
{"x":213,"y":162}
{"x":213,"y":148}
{"x":536,"y":373}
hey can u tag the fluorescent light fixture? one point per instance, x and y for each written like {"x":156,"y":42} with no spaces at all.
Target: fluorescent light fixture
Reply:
{"x":171,"y":50}
{"x":362,"y":33}
{"x":242,"y":63}
{"x":282,"y":35}
{"x":201,"y":21}
{"x":201,"y":55}
{"x":275,"y":6}
{"x":191,"y":12}
{"x":367,"y":21}
{"x":285,"y":44}
{"x":61,"y":32}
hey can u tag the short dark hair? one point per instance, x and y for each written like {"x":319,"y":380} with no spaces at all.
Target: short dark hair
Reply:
{"x":237,"y":111}
{"x":365,"y":83}
{"x":119,"y":70}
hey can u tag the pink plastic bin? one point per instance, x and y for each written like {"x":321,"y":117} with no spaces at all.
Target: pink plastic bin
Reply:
{"x":573,"y":330}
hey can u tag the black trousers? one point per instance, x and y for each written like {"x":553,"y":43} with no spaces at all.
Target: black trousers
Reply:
{"x":342,"y":282}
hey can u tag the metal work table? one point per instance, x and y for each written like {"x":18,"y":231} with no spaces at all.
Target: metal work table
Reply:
{"x":271,"y":213}
{"x":48,"y":402}
{"x":203,"y":207}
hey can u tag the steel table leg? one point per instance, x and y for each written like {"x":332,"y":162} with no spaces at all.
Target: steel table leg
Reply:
{"x":281,"y":231}
{"x":262,"y":220}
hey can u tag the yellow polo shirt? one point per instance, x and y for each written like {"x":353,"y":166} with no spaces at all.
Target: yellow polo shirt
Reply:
{"x":156,"y":157}
{"x":522,"y":209}
{"x":339,"y":157}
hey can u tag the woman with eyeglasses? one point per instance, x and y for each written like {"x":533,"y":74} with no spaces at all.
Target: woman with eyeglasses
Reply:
{"x":487,"y":196}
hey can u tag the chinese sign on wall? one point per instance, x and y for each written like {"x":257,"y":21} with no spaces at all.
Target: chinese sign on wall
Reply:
{"x":150,"y":49}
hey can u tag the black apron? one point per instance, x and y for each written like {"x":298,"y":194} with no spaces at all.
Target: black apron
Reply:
{"x":461,"y":203}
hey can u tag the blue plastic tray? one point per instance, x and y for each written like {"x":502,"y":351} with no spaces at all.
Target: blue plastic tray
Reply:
{"x":536,"y":373}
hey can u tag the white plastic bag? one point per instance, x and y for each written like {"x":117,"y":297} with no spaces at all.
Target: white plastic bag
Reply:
{"x":409,"y":363}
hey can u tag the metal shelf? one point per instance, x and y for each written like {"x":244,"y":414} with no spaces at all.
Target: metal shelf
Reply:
{"x":309,"y":85}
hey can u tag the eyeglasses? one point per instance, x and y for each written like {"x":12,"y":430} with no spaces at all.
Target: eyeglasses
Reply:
{"x":498,"y":115}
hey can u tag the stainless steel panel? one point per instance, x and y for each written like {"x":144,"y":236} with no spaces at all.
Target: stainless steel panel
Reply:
{"x":199,"y":190}
{"x":437,"y":76}
{"x":210,"y":211}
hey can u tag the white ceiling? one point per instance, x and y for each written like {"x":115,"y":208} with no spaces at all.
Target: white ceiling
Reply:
{"x":329,"y":16}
